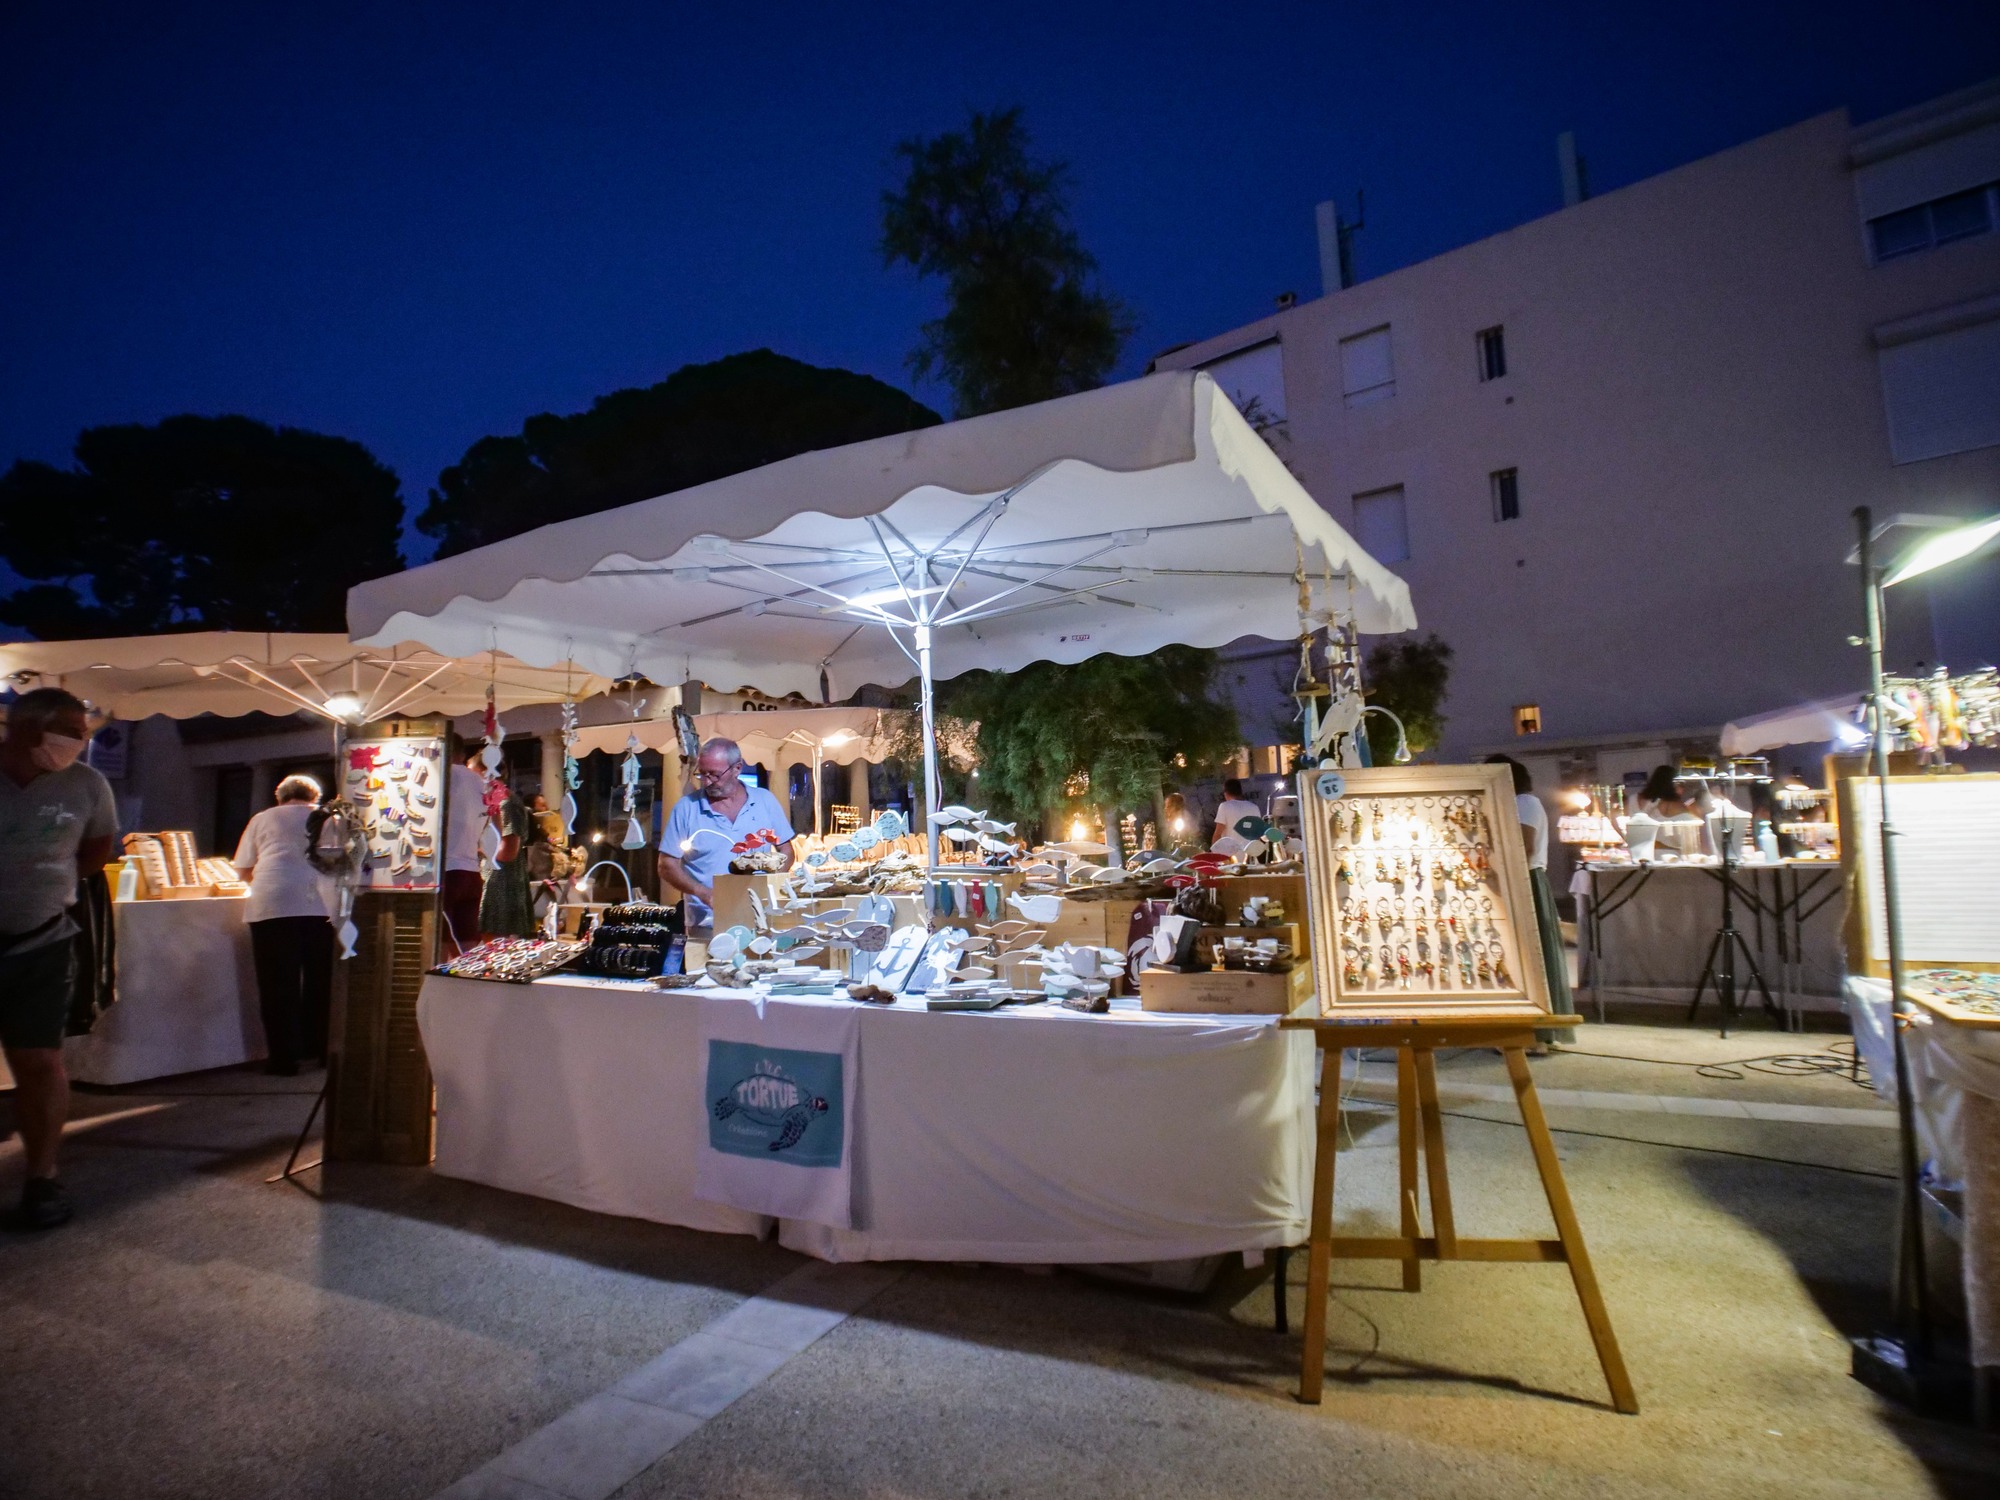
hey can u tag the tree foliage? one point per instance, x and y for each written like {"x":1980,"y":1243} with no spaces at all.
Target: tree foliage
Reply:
{"x":1108,"y":732}
{"x":196,"y":523}
{"x":1409,"y":678}
{"x":1023,"y":320}
{"x":703,"y":422}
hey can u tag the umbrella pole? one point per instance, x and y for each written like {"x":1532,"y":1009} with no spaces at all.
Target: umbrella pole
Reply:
{"x":930,"y":744}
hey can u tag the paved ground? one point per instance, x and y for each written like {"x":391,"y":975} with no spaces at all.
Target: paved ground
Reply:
{"x":391,"y":1334}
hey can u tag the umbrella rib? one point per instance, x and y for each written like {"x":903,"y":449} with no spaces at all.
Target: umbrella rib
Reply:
{"x":411,"y":691}
{"x":985,"y":604}
{"x":1066,"y":593}
{"x":1099,"y":536}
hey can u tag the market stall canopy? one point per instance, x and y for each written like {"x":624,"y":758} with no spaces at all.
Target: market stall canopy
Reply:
{"x":1122,"y":520}
{"x":233,"y":672}
{"x":1802,"y":724}
{"x":844,"y":735}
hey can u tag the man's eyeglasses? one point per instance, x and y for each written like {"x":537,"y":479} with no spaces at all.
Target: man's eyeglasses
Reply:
{"x":705,"y":775}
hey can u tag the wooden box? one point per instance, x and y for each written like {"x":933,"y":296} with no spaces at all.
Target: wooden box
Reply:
{"x":1403,"y":861}
{"x":1225,"y":991}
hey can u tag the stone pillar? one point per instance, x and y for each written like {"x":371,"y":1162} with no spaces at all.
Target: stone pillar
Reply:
{"x":857,"y":788}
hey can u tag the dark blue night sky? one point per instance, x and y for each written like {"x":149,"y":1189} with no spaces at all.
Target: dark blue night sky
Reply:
{"x":416,"y":225}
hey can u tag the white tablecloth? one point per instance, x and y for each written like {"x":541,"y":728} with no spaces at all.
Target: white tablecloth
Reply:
{"x":1645,"y":931}
{"x":1955,"y":1088}
{"x":1028,"y":1136}
{"x":187,"y":994}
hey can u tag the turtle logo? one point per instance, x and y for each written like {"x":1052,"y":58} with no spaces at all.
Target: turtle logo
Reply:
{"x":770,"y":1099}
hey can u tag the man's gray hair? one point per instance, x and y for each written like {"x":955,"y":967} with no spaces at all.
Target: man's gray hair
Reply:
{"x":40,"y":707}
{"x":299,"y":789}
{"x":728,"y":747}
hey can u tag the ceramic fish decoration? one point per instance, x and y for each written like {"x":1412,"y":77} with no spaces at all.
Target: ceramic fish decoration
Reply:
{"x":953,"y":814}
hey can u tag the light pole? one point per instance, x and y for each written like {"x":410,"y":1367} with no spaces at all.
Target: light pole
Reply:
{"x":1902,"y":1367}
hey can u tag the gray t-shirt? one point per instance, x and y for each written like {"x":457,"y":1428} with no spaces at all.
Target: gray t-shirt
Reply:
{"x":41,"y":826}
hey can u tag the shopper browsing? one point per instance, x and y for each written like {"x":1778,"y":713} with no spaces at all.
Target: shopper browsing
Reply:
{"x":1535,"y":840}
{"x":465,"y":820}
{"x":1234,"y":805}
{"x":291,"y":940}
{"x":708,"y":822}
{"x":57,"y":819}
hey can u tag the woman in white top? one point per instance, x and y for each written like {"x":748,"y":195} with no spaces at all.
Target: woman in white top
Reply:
{"x":1535,"y":841}
{"x":291,"y":939}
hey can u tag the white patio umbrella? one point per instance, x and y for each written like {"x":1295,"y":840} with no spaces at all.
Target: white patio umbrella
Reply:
{"x":1802,"y":724}
{"x":237,"y":672}
{"x":1120,"y":520}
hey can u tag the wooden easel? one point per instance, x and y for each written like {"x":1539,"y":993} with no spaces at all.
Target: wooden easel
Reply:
{"x":1420,"y":1122}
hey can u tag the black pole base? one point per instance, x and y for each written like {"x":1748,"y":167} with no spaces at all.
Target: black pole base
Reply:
{"x":1927,"y":1386}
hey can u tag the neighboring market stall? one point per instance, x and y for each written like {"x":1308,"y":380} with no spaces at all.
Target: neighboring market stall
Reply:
{"x":1120,"y":520}
{"x":184,"y":996}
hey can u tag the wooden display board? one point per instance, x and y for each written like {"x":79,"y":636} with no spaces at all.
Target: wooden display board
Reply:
{"x":1405,"y":862}
{"x":1947,"y":872}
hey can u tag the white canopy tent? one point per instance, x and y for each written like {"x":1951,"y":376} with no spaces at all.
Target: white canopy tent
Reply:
{"x":1120,"y":520}
{"x":232,"y":673}
{"x":1827,"y":719}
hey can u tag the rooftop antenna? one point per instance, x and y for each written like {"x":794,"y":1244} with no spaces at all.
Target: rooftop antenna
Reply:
{"x":1575,"y":169}
{"x":1336,"y":243}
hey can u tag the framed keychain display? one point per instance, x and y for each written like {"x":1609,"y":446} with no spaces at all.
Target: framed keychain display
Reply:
{"x":1417,"y":891}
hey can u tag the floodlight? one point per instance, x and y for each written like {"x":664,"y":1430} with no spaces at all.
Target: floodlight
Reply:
{"x":1948,"y":546}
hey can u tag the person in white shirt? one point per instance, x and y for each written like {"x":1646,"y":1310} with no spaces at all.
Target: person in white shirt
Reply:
{"x":1535,"y":838}
{"x":291,"y":940}
{"x":465,"y":821}
{"x":1234,"y":805}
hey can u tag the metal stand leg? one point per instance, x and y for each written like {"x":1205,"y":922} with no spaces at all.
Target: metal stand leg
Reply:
{"x":299,"y":1145}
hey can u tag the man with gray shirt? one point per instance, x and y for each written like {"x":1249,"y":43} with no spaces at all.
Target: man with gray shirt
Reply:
{"x":57,"y":819}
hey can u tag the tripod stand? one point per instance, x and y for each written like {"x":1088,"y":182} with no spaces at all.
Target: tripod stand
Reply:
{"x":1719,"y":968}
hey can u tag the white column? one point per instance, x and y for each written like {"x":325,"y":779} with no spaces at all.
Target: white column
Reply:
{"x":857,"y":788}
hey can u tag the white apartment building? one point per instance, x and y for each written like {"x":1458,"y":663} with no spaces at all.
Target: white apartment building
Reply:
{"x":1615,"y":450}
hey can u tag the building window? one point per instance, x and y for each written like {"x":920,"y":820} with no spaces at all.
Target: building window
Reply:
{"x":1367,"y":370}
{"x":1959,"y":216}
{"x":1942,"y":391}
{"x":1506,"y":486}
{"x":1527,"y":718}
{"x":1381,"y":524}
{"x":1492,"y":353}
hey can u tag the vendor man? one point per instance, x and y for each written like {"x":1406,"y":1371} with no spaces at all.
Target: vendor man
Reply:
{"x":57,"y":819}
{"x":707,"y":823}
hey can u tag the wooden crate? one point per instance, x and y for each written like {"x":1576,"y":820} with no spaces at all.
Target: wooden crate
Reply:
{"x":1225,"y":991}
{"x":378,"y":1089}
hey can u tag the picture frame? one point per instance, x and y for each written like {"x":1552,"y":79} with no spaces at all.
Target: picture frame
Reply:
{"x":1460,"y":822}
